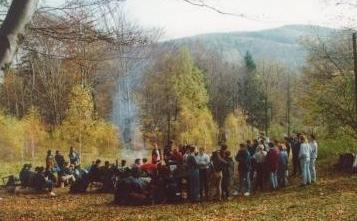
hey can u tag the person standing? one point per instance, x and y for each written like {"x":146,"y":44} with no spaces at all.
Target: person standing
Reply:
{"x":74,"y":157}
{"x":260,"y":158}
{"x":313,"y":157}
{"x":273,"y":164}
{"x":203,"y":161}
{"x":283,"y":166}
{"x":156,"y":154}
{"x":193,"y":176}
{"x":295,"y":151}
{"x":304,"y":157}
{"x":60,"y":162}
{"x":227,"y":173}
{"x":218,"y":163}
{"x":49,"y":161}
{"x":244,"y":166}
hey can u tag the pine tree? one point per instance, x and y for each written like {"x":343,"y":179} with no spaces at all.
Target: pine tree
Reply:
{"x":251,"y":97}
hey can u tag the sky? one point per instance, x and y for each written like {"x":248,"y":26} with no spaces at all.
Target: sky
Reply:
{"x":178,"y":19}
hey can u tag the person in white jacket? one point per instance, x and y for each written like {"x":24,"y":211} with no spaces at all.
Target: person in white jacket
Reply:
{"x":313,"y":157}
{"x":304,"y":157}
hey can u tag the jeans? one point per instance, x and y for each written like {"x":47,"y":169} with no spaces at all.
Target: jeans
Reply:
{"x":274,"y":179}
{"x":305,"y":168}
{"x":244,"y":182}
{"x":313,"y":170}
{"x":194,"y":185}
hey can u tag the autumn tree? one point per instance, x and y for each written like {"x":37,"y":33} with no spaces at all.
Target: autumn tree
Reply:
{"x":237,"y":130}
{"x":326,"y":93}
{"x":35,"y":133}
{"x":174,"y":101}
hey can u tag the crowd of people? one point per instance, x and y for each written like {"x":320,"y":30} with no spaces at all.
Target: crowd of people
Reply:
{"x":183,"y":172}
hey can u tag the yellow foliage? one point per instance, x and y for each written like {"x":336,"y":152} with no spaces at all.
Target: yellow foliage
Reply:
{"x":237,"y":130}
{"x":35,"y":133}
{"x":11,"y":138}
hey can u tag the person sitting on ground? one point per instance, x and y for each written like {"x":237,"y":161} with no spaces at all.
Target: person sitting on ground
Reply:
{"x":244,"y":168}
{"x":123,"y":168}
{"x":26,"y":176}
{"x":94,"y":172}
{"x":147,"y":167}
{"x":132,"y":189}
{"x":68,"y":174}
{"x":137,"y":163}
{"x":107,"y":175}
{"x":283,"y":166}
{"x":82,"y":181}
{"x":227,"y":173}
{"x":273,"y":165}
{"x":42,"y":183}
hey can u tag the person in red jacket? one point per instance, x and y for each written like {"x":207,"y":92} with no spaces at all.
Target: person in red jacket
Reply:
{"x":148,"y":167}
{"x":273,"y":164}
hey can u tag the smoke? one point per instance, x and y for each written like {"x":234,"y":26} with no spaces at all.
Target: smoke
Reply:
{"x":125,"y":113}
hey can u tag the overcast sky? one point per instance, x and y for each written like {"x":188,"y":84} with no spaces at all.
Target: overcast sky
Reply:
{"x":179,"y":19}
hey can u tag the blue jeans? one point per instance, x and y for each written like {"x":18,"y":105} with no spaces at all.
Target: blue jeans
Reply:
{"x":312,"y":170}
{"x":274,"y":179}
{"x":305,"y":168}
{"x":244,"y":182}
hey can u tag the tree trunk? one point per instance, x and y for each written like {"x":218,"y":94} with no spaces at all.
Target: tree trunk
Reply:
{"x":12,"y":30}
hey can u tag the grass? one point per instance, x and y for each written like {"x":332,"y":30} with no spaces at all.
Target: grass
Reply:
{"x":333,"y":198}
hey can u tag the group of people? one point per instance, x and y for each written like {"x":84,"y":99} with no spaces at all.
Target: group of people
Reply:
{"x":44,"y":178}
{"x":176,"y":173}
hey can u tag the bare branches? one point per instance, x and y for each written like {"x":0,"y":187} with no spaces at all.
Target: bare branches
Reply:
{"x":201,"y":3}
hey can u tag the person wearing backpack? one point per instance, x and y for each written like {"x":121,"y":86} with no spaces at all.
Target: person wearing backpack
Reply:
{"x":218,"y":163}
{"x":313,"y":157}
{"x":304,"y":157}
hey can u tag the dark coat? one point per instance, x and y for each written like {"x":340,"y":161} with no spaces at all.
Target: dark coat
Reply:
{"x":273,"y":159}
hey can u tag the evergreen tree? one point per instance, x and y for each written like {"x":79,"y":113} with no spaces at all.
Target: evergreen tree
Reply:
{"x":251,"y":98}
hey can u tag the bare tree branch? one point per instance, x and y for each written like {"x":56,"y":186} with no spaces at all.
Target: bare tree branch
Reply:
{"x":201,"y":3}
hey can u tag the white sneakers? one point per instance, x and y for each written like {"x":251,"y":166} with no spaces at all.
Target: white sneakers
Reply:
{"x":52,"y":194}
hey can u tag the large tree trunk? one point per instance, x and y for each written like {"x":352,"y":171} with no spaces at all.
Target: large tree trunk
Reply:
{"x":12,"y":30}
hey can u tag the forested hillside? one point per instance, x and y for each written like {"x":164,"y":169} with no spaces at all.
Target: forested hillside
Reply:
{"x":283,"y":44}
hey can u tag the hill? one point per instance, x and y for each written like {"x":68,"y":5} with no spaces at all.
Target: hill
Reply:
{"x":281,"y":44}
